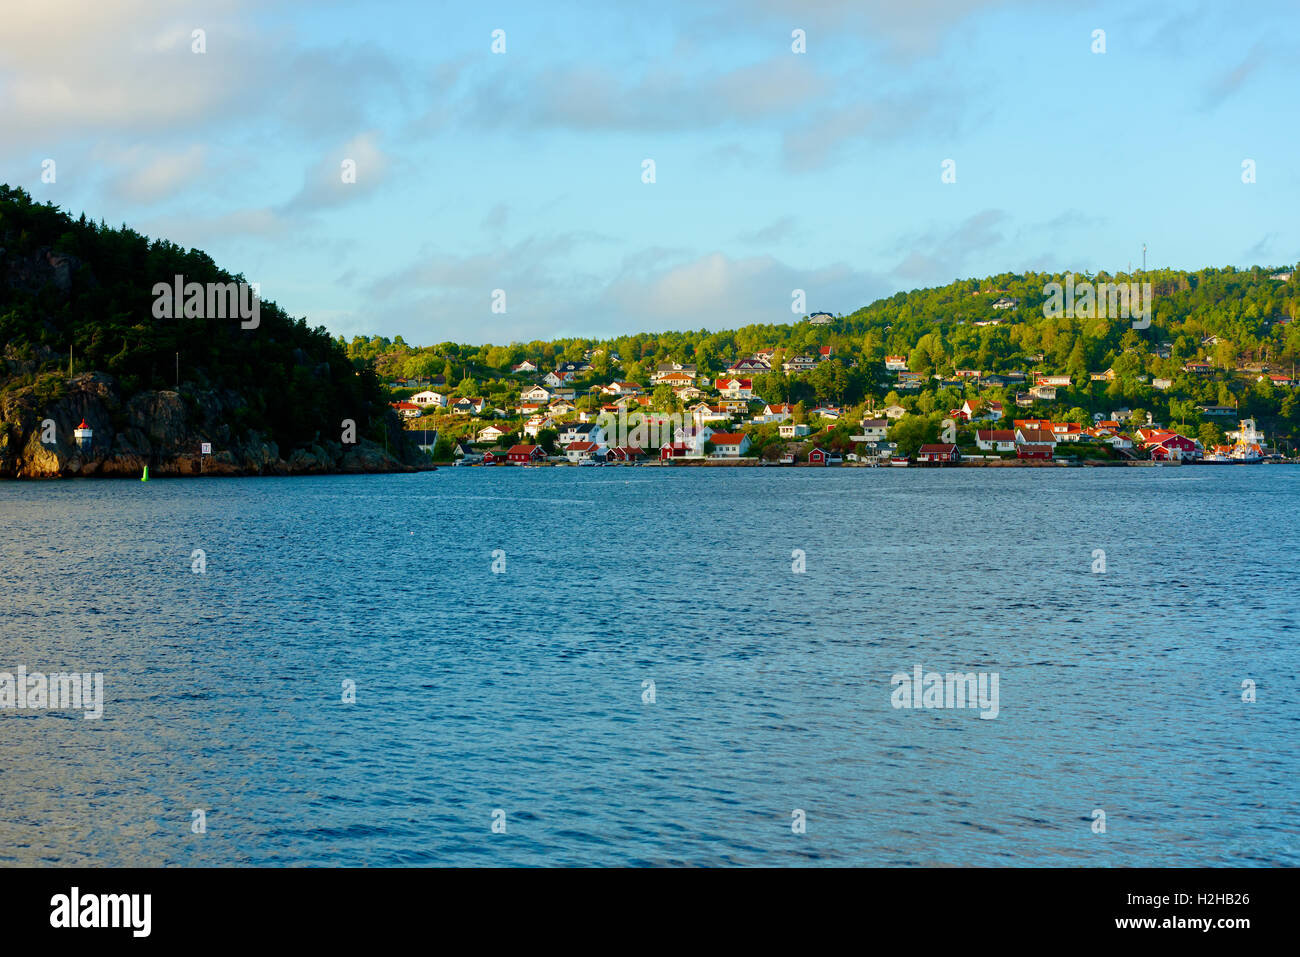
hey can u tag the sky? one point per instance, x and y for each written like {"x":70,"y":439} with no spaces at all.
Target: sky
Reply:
{"x":912,"y":143}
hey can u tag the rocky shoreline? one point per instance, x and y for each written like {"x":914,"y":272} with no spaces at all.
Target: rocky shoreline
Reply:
{"x":165,"y":430}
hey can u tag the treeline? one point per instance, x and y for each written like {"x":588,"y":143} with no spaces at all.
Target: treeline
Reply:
{"x":950,"y":328}
{"x":74,"y":285}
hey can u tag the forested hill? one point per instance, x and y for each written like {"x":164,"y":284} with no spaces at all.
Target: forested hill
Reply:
{"x":937,"y":330}
{"x":80,"y":339}
{"x":1239,"y":320}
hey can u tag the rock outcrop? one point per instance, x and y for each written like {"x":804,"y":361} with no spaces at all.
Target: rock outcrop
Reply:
{"x":166,"y":430}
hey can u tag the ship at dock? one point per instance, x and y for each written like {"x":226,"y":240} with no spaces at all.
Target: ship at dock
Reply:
{"x":1248,"y":449}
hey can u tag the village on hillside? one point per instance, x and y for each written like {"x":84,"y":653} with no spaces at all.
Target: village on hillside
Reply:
{"x":574,"y":414}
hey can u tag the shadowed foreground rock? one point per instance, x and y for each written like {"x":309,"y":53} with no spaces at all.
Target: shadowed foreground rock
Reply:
{"x":165,"y":431}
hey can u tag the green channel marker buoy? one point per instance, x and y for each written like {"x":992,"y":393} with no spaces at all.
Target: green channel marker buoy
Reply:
{"x":145,"y":476}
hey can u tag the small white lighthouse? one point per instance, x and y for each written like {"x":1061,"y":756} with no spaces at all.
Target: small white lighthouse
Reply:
{"x":83,"y":434}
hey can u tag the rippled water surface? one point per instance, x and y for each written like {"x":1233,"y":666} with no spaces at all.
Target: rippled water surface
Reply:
{"x":523,"y":690}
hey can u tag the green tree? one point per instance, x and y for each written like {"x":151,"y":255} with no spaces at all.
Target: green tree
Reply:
{"x":913,"y":431}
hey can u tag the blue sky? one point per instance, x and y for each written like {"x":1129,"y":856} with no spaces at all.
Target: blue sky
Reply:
{"x":774,"y":171}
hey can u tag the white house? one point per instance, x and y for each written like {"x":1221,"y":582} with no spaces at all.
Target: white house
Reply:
{"x":535,"y":394}
{"x":996,"y":440}
{"x":693,"y":437}
{"x":537,"y":423}
{"x":524,"y":366}
{"x":777,"y":413}
{"x":789,"y":430}
{"x":703,"y":412}
{"x":489,"y":434}
{"x":873,"y":430}
{"x":429,"y":398}
{"x":736,"y":388}
{"x":674,"y":373}
{"x":896,"y":363}
{"x":579,"y":452}
{"x":582,"y":432}
{"x":729,"y":445}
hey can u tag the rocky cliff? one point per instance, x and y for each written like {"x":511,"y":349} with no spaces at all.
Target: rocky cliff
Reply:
{"x":165,"y":431}
{"x":271,"y":396}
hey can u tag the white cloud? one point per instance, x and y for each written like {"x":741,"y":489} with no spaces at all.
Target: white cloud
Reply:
{"x":146,"y":176}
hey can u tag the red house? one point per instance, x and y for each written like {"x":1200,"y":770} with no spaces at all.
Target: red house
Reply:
{"x":1034,"y":450}
{"x":624,"y":453}
{"x":674,"y":451}
{"x":818,"y":456}
{"x":523,"y":454}
{"x":1171,"y":447}
{"x":939,"y":454}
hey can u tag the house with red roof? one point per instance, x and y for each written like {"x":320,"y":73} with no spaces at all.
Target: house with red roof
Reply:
{"x":729,"y":445}
{"x":407,"y":410}
{"x":624,"y":453}
{"x":1034,"y":450}
{"x":736,"y":388}
{"x":750,"y":365}
{"x":1027,"y":436}
{"x":676,"y":380}
{"x":580,"y":452}
{"x":524,"y":454}
{"x":940,"y":453}
{"x":975,"y":410}
{"x":996,"y":440}
{"x":1172,"y":447}
{"x":675,"y":450}
{"x":1044,"y":424}
{"x":1276,"y":379}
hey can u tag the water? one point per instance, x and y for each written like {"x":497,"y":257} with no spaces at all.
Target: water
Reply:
{"x":522,"y":691}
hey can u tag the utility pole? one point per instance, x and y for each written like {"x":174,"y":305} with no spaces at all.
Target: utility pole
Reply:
{"x":178,"y":372}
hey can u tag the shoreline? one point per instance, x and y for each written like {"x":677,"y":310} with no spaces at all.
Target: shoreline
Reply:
{"x":215,"y":474}
{"x":655,"y":464}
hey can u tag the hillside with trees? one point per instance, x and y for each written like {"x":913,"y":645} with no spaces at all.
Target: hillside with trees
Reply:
{"x":1241,"y":321}
{"x":81,"y":342}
